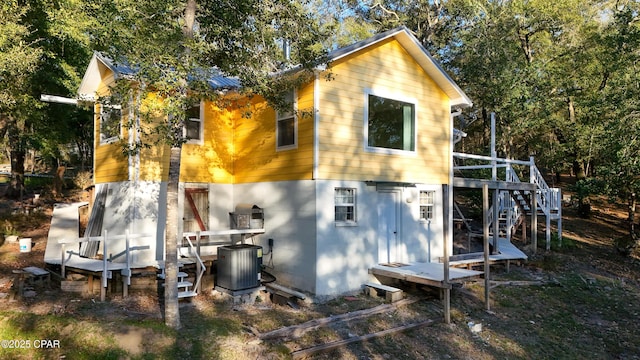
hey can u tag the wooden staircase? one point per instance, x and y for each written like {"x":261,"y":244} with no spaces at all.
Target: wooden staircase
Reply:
{"x":186,"y":288}
{"x":515,"y":205}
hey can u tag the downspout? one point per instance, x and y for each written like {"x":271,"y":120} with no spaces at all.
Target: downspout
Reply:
{"x":132,"y":168}
{"x":449,"y":220}
{"x":316,"y":123}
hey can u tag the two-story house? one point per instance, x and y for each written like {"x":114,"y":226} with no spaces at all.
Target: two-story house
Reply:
{"x":351,"y":176}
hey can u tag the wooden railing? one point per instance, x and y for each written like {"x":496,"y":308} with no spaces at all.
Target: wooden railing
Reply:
{"x":107,"y":264}
{"x":549,"y":200}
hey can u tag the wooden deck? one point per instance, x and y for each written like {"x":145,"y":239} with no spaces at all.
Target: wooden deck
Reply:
{"x":431,"y":274}
{"x":506,"y":252}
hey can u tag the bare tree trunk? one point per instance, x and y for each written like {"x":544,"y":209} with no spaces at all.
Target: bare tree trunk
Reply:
{"x":171,"y":307}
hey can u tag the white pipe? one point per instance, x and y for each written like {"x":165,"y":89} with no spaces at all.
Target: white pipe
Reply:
{"x":494,"y":170}
{"x":58,"y":99}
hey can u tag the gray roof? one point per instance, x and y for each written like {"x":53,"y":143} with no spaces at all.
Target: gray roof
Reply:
{"x":403,"y":35}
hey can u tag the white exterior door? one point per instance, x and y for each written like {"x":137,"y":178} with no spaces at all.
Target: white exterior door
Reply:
{"x":388,"y":232}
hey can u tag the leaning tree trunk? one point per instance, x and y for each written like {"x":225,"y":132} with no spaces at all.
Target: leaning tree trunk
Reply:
{"x":171,"y":307}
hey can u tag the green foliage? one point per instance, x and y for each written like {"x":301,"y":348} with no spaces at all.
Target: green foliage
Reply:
{"x":83,"y":179}
{"x":44,"y":48}
{"x":241,"y":39}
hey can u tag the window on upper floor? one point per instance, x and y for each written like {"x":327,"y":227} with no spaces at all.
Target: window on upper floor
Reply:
{"x":427,"y":204}
{"x":390,"y":124}
{"x":193,"y":125}
{"x":110,"y":123}
{"x":345,"y":206}
{"x":287,"y":124}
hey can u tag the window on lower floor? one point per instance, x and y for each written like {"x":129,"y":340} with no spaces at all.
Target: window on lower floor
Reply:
{"x":426,"y":204}
{"x":345,"y":205}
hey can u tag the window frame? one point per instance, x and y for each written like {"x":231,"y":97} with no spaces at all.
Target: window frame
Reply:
{"x":199,"y":120}
{"x":430,"y":206}
{"x":342,"y":204}
{"x":394,"y":97}
{"x":292,"y":115}
{"x":109,"y":140}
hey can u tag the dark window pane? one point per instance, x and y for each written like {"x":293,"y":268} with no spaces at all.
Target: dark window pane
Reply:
{"x":286,"y":132}
{"x":391,"y":124}
{"x":193,"y":130}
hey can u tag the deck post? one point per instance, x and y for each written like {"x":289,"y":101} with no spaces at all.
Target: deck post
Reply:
{"x":127,"y":280}
{"x":559,"y":220}
{"x":496,"y":220}
{"x":447,"y":232}
{"x":62,"y":270}
{"x":548,"y":230}
{"x":524,"y":228}
{"x":509,"y":215}
{"x":534,"y":221}
{"x":103,"y":287}
{"x":198,"y":266}
{"x":494,"y":154}
{"x":485,"y":228}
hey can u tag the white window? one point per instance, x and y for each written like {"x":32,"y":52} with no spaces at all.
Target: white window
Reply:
{"x":287,"y":124}
{"x":193,"y":124}
{"x":110,"y":123}
{"x":345,"y":205}
{"x":390,"y":124}
{"x":426,"y":204}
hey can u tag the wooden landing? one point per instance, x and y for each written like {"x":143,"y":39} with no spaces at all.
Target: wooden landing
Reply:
{"x":506,"y":252}
{"x":431,"y":274}
{"x":93,"y":265}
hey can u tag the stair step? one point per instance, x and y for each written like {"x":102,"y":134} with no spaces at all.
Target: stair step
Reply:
{"x":186,"y":294}
{"x":181,"y":275}
{"x":183,"y":284}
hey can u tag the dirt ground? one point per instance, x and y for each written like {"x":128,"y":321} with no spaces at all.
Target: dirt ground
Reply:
{"x":578,"y":300}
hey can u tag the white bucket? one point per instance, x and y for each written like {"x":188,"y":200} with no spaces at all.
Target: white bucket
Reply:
{"x":25,"y":245}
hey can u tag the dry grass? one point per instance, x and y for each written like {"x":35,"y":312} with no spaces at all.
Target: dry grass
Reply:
{"x":588,"y":310}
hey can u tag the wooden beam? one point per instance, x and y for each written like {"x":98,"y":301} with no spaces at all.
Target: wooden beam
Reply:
{"x":447,"y":290}
{"x":336,"y":344}
{"x":534,"y":221}
{"x":485,"y":228}
{"x":496,"y":221}
{"x":297,"y":331}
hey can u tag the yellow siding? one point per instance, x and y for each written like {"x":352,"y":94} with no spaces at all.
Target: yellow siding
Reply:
{"x":389,"y":69}
{"x":239,"y":149}
{"x":213,"y":160}
{"x":109,"y":163}
{"x":256,"y":158}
